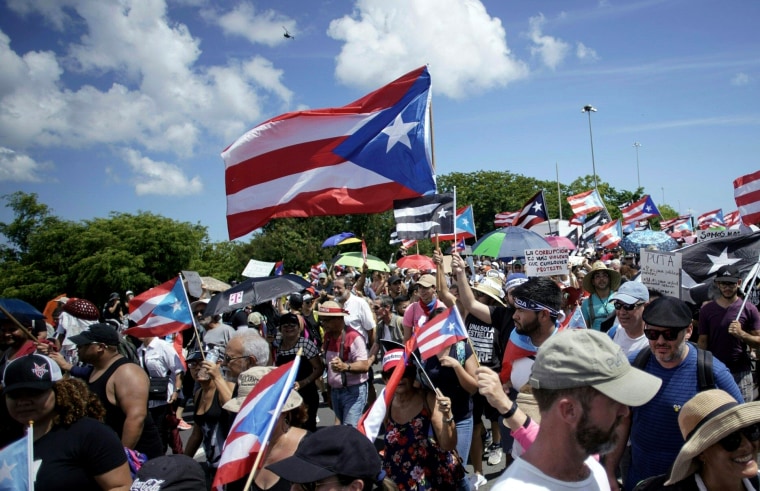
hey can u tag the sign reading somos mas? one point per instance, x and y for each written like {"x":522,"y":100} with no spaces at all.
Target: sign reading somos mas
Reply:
{"x":546,"y":262}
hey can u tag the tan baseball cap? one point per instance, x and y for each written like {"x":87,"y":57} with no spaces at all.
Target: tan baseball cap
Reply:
{"x":584,"y":357}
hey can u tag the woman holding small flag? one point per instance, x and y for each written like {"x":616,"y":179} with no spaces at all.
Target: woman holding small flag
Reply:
{"x":452,"y":369}
{"x":420,"y":433}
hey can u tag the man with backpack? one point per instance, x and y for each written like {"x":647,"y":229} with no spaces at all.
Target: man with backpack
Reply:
{"x":685,"y":370}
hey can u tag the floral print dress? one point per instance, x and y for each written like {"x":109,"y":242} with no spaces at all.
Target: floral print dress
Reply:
{"x":413,"y":458}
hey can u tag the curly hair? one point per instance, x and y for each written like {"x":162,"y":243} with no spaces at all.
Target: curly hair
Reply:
{"x":74,"y":401}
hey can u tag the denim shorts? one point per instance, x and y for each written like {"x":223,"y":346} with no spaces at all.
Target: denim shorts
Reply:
{"x":348,"y":403}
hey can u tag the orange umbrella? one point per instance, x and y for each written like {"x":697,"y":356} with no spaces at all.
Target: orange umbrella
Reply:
{"x":50,"y":308}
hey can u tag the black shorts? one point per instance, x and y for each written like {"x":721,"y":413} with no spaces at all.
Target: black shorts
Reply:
{"x":480,"y":407}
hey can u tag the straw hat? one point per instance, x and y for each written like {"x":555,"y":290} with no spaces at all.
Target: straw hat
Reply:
{"x":248,"y":380}
{"x":588,"y":280}
{"x":704,"y":420}
{"x":491,"y":287}
{"x":331,"y":309}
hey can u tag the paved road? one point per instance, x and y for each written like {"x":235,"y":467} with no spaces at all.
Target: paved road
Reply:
{"x":327,"y":417}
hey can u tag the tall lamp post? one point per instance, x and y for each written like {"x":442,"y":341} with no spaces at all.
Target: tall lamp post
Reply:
{"x":638,"y":175}
{"x":588,"y":108}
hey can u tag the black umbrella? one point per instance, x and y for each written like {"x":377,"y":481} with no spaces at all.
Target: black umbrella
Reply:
{"x":254,"y":291}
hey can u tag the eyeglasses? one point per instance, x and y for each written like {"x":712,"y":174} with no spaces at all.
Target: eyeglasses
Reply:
{"x":734,"y":440}
{"x":377,"y":307}
{"x":625,"y":306}
{"x":313,"y":486}
{"x":669,"y":335}
{"x":228,"y":359}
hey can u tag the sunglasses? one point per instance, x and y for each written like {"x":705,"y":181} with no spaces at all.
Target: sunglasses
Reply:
{"x":625,"y":306}
{"x":669,"y":335}
{"x":734,"y":440}
{"x":725,"y":284}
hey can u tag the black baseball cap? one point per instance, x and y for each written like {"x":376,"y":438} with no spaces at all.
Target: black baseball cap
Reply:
{"x":333,"y":450}
{"x":32,"y":371}
{"x":97,"y":333}
{"x":170,"y":472}
{"x":668,"y":312}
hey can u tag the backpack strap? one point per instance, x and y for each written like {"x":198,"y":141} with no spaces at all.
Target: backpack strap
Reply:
{"x":705,"y":370}
{"x":642,"y":358}
{"x":705,"y":375}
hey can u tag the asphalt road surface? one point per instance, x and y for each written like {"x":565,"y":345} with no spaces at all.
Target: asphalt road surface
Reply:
{"x":327,"y":418}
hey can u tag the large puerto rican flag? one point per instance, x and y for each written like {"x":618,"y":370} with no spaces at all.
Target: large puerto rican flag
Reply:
{"x":353,"y":159}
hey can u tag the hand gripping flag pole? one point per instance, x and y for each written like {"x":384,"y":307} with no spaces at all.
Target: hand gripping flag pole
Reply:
{"x":756,"y":268}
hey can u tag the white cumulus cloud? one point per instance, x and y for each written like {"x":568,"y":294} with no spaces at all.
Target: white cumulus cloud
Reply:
{"x":550,"y":50}
{"x":265,"y":27}
{"x":740,"y":79}
{"x":18,"y":167}
{"x":464,"y":46}
{"x":584,"y":53}
{"x":154,"y":94}
{"x":160,"y":178}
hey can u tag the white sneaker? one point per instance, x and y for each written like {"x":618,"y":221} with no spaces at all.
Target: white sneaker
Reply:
{"x":478,"y":480}
{"x":495,"y":454}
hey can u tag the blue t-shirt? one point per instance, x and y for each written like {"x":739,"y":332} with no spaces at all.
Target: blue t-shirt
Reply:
{"x":655,"y":435}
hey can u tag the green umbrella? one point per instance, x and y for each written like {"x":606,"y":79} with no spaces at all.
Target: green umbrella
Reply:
{"x":355,"y":259}
{"x":508,"y":242}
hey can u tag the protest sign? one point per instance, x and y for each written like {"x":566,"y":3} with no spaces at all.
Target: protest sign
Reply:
{"x":257,"y":269}
{"x":546,"y":262}
{"x":661,"y":271}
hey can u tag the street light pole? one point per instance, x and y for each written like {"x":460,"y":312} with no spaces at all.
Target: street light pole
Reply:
{"x":638,"y":175}
{"x":588,"y":108}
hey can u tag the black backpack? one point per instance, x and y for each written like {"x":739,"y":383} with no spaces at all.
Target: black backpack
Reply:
{"x":705,"y":375}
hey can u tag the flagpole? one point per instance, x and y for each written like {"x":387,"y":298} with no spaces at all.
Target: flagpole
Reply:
{"x":454,"y":218}
{"x":432,"y":136}
{"x":23,"y":328}
{"x":192,"y":316}
{"x":746,"y":294}
{"x":548,"y":219}
{"x":268,"y":433}
{"x":30,"y":456}
{"x":559,"y":193}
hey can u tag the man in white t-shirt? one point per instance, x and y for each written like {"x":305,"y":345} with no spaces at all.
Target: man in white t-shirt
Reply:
{"x":359,"y":314}
{"x":583,"y":385}
{"x":629,"y":302}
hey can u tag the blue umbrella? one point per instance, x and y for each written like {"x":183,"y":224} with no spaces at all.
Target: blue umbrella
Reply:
{"x":641,"y":239}
{"x":509,"y":242}
{"x":340,"y":239}
{"x":17,"y":307}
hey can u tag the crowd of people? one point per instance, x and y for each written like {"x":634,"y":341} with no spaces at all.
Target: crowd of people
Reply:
{"x":647,"y":392}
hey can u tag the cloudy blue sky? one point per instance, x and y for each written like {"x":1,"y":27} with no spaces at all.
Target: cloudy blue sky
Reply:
{"x":126,"y":105}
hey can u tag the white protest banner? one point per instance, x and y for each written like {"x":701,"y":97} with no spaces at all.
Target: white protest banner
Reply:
{"x":257,"y":269}
{"x":716,"y":234}
{"x":546,"y":262}
{"x":661,"y":271}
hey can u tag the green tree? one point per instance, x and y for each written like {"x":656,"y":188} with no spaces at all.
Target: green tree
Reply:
{"x":30,"y":216}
